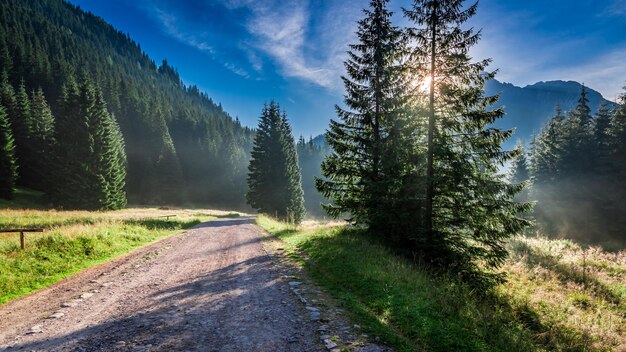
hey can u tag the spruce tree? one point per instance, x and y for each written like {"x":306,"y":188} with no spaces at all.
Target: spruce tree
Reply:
{"x":71,"y":150}
{"x":519,"y":167}
{"x":21,"y":121}
{"x":469,"y":209}
{"x":90,"y":161}
{"x":548,"y":150}
{"x":169,"y":175}
{"x":41,"y":141}
{"x":364,"y":173}
{"x":617,"y":147}
{"x":576,"y":159}
{"x":274,"y":179}
{"x":8,"y":163}
{"x":109,"y":156}
{"x":294,"y":194}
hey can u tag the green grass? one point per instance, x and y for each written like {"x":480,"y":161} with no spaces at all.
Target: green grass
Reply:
{"x":77,"y":240}
{"x":414,"y":310}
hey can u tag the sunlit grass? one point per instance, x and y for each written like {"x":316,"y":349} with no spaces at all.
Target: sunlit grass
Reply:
{"x":75,"y":240}
{"x":547,"y":304}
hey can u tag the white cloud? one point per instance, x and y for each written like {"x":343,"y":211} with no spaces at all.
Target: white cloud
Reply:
{"x":606,"y":73}
{"x":282,"y":30}
{"x":281,"y":33}
{"x":171,"y":27}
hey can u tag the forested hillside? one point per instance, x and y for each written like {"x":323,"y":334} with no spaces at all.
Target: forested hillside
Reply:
{"x":529,"y":108}
{"x":180,"y":146}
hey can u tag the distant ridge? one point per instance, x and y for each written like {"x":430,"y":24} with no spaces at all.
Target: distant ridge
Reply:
{"x":528,"y":108}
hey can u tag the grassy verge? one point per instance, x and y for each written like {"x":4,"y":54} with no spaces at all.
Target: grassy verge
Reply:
{"x":545,"y":305}
{"x":75,"y":240}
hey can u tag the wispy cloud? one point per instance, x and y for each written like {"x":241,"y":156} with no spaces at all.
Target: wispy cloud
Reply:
{"x":615,"y":8}
{"x":284,"y":31}
{"x":301,"y":40}
{"x":280,"y":32}
{"x":171,"y":26}
{"x":606,"y":73}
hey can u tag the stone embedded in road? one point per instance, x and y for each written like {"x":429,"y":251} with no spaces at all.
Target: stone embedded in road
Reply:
{"x":56,"y":315}
{"x":330,"y":344}
{"x":294,"y":283}
{"x":35,"y":330}
{"x":86,"y":295}
{"x":312,"y":309}
{"x":315,"y":316}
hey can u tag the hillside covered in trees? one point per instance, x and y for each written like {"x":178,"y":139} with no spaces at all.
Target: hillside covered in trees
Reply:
{"x":179,"y":146}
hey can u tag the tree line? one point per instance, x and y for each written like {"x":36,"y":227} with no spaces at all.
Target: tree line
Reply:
{"x":415,"y":158}
{"x":576,"y":168}
{"x":78,"y":158}
{"x":180,"y":146}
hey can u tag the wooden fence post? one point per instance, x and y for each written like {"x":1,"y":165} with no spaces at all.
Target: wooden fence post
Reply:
{"x":22,"y":240}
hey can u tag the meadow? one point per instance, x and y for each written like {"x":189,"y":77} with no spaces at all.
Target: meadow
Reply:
{"x":558,"y":296}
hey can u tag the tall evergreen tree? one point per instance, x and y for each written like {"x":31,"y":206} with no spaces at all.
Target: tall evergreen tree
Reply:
{"x":168,"y":182}
{"x":274,"y":180}
{"x":21,"y":121}
{"x":109,"y":156}
{"x":364,"y":173}
{"x":90,"y":167}
{"x":294,"y":195}
{"x":576,"y":159}
{"x":469,"y":209}
{"x":8,"y":163}
{"x":617,"y":146}
{"x":41,"y":141}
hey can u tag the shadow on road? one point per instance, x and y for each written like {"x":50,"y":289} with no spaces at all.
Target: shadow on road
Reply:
{"x":240,"y":307}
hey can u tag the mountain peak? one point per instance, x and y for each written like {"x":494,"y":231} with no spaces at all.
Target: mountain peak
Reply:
{"x":529,"y":108}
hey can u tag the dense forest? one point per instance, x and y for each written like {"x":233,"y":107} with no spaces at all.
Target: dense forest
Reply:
{"x":577,"y":172}
{"x":176,"y":145}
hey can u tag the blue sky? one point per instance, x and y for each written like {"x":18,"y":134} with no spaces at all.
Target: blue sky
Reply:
{"x":245,"y":52}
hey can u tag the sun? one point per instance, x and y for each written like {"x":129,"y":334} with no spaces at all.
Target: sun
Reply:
{"x":422,"y":83}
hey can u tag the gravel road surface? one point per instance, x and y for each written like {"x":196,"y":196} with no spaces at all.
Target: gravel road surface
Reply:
{"x":213,"y":287}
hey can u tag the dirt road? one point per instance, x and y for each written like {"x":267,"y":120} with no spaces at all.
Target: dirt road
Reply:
{"x":209,"y":288}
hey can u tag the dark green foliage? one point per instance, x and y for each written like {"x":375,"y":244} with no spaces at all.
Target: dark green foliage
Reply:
{"x":367,"y":170}
{"x":274,"y":174}
{"x":577,"y":167}
{"x":520,"y":174}
{"x":421,"y":167}
{"x":90,"y":167}
{"x":170,"y":175}
{"x":164,"y":123}
{"x":21,"y":123}
{"x":41,"y":142}
{"x":8,"y":164}
{"x":469,"y":209}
